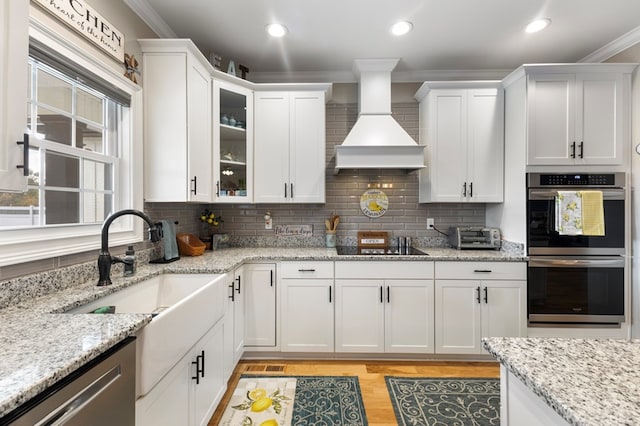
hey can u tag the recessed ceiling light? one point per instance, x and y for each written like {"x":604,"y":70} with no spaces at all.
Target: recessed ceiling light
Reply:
{"x":401,"y":28}
{"x":537,"y":25}
{"x":276,"y":30}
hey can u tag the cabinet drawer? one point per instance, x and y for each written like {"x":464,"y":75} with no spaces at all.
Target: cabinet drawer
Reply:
{"x":306,"y":269}
{"x":385,"y":270}
{"x":481,"y":270}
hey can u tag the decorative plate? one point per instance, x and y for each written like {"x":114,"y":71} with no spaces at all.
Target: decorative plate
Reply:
{"x":373,"y":203}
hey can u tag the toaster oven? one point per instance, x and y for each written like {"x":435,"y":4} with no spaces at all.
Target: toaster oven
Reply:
{"x":474,"y":237}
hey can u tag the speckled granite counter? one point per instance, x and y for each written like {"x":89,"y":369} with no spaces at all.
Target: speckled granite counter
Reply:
{"x":586,"y":381}
{"x":41,"y":345}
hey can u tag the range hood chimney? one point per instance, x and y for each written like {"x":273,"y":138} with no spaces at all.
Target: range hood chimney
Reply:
{"x":376,"y":140}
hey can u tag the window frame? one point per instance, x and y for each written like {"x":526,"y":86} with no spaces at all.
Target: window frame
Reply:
{"x":24,"y":245}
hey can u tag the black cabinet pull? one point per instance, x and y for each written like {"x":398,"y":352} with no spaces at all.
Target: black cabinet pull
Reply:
{"x":285,"y":190}
{"x":306,"y":270}
{"x":573,"y":150}
{"x":464,"y":189}
{"x":195,"y":185}
{"x":581,"y":149}
{"x":329,"y":294}
{"x":471,"y":189}
{"x":25,"y":155}
{"x":202,"y":371}
{"x":388,"y":295}
{"x":291,"y":191}
{"x":482,"y":270}
{"x":478,"y":294}
{"x":271,"y":277}
{"x":233,"y":293}
{"x":381,"y":300}
{"x":217,"y":188}
{"x":199,"y":363}
{"x":238,"y":279}
{"x":486,"y":295}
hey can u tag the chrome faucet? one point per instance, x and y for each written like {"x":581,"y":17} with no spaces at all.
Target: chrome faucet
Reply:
{"x":105,"y":260}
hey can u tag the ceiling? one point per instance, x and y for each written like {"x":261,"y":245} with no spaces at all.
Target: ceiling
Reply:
{"x":460,"y":38}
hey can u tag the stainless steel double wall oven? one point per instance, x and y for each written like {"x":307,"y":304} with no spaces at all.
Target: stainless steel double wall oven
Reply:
{"x":575,"y":279}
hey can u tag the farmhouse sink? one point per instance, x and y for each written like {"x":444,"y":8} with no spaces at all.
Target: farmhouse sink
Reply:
{"x":184,"y":307}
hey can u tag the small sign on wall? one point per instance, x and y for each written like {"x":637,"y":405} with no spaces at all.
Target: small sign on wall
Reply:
{"x":84,"y":19}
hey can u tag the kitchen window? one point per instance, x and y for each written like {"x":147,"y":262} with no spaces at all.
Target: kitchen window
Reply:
{"x":82,"y":120}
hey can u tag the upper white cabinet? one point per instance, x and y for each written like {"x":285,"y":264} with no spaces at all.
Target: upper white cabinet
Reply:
{"x":177,"y":122}
{"x":14,"y":44}
{"x":289,"y":164}
{"x":461,"y":124}
{"x":232,"y":142}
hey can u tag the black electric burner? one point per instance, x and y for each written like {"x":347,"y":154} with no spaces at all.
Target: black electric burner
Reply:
{"x":371,"y":251}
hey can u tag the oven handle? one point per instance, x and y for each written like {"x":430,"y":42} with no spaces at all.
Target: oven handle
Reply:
{"x":547,"y":194}
{"x":554,"y":262}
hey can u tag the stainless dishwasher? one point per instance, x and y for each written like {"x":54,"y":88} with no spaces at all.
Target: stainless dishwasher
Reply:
{"x":99,"y":393}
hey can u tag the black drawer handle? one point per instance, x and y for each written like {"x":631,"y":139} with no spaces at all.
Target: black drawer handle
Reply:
{"x":306,"y":270}
{"x":483,"y":270}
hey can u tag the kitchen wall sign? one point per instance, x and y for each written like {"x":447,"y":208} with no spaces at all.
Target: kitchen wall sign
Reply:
{"x":84,"y":19}
{"x":374,"y":203}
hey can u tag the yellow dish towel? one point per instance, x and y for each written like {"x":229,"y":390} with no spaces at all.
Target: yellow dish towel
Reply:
{"x":592,"y":213}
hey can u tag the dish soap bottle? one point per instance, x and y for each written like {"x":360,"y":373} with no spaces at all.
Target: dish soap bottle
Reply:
{"x":129,"y":262}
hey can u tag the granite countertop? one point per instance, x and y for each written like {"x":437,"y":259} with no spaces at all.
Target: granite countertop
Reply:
{"x":41,"y":345}
{"x":588,"y":382}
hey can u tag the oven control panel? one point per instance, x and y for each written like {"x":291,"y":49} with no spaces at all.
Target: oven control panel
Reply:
{"x":576,"y":179}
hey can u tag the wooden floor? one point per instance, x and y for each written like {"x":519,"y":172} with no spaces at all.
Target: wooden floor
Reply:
{"x":370,"y":374}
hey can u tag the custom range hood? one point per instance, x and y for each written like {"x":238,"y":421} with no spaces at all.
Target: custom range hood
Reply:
{"x":376,"y":140}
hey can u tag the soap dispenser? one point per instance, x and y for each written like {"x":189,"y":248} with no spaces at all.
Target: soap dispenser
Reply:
{"x":129,"y":262}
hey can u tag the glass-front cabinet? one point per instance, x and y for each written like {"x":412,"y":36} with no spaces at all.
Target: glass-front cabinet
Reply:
{"x":232,"y":142}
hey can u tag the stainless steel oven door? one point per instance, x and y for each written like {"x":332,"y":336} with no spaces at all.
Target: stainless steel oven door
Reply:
{"x":543,"y":239}
{"x":585,"y":289}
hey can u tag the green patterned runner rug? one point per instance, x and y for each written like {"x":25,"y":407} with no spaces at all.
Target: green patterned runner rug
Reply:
{"x":296,"y":401}
{"x":445,"y":402}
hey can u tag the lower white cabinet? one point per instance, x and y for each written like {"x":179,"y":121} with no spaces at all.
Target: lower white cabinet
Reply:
{"x":259,"y":288}
{"x":475,"y":300}
{"x":384,"y":307}
{"x":190,"y":392}
{"x":307,"y":301}
{"x":234,"y":322}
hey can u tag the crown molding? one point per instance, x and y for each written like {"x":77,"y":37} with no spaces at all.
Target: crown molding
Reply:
{"x":143,"y":9}
{"x":613,"y":48}
{"x":396,"y":76}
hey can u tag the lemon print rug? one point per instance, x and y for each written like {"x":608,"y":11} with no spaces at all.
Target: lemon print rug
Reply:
{"x":300,"y":400}
{"x":451,"y":401}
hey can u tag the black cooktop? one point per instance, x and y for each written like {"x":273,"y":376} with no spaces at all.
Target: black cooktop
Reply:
{"x":354,"y":250}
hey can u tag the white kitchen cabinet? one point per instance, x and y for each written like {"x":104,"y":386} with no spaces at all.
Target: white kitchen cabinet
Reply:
{"x":289,"y":136}
{"x":475,"y":300}
{"x":575,"y":118}
{"x":307,"y":306}
{"x":384,"y":307}
{"x":234,"y":321}
{"x":177,"y":122}
{"x":232,"y":142}
{"x":260,"y":305}
{"x":461,"y":124}
{"x":14,"y":44}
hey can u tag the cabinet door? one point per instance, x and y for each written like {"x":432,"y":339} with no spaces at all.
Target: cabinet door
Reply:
{"x":207,"y":365}
{"x":14,"y":44}
{"x":359,"y":316}
{"x":199,"y":131}
{"x":271,"y":139}
{"x":260,"y":305}
{"x":239,"y":308}
{"x":504,"y":309}
{"x":551,"y":119}
{"x":447,"y":130}
{"x":233,"y":142}
{"x":457,"y":322}
{"x":409,"y":316}
{"x":307,"y":147}
{"x":599,"y":118}
{"x":485,"y":145}
{"x":307,"y":315}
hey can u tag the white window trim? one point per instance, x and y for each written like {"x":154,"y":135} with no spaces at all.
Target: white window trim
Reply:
{"x":24,"y":245}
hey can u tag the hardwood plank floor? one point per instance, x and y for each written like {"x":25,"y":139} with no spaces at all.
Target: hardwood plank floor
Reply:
{"x":370,"y":374}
